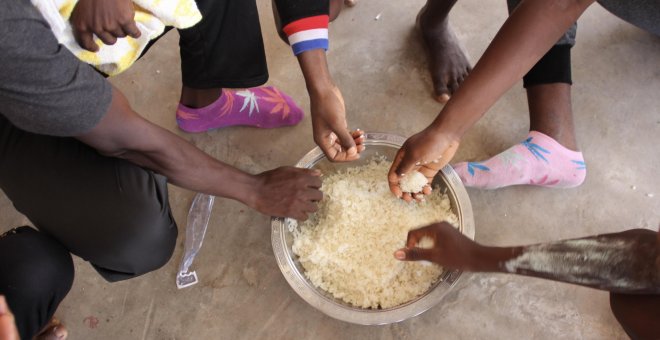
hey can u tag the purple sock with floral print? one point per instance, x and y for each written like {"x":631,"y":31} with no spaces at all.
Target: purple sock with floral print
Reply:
{"x":538,"y":160}
{"x":264,"y":107}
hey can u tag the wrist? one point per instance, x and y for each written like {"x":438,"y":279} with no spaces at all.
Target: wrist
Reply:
{"x":246,"y":188}
{"x":314,"y":67}
{"x":493,"y":259}
{"x":448,"y":125}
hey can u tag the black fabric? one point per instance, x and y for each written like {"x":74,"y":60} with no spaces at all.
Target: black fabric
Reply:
{"x":554,"y":67}
{"x":292,"y":10}
{"x":225,"y":49}
{"x":106,"y":210}
{"x":37,"y":273}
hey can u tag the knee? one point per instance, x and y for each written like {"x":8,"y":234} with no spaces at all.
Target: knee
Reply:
{"x":155,"y":245}
{"x":148,"y":247}
{"x":48,"y":272}
{"x":37,"y":273}
{"x":149,"y":231}
{"x":39,"y":265}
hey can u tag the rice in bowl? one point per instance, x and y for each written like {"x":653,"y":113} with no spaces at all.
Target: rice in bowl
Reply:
{"x":346,"y":247}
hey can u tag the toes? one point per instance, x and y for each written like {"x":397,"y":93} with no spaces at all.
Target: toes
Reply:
{"x":441,"y":91}
{"x":453,"y":85}
{"x":443,"y":98}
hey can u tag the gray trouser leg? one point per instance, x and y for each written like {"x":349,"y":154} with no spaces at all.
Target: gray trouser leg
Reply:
{"x":644,"y":14}
{"x":108,"y":211}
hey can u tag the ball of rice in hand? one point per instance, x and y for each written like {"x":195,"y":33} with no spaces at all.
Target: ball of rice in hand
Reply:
{"x":413,"y":182}
{"x":425,"y":243}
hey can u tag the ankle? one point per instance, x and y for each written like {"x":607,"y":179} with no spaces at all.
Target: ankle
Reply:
{"x":565,"y":138}
{"x":199,"y":98}
{"x":551,"y":113}
{"x":432,"y":22}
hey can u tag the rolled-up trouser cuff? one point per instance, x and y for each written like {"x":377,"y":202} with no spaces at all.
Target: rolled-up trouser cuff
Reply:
{"x":554,"y":67}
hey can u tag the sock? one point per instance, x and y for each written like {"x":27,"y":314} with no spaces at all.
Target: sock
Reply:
{"x":264,"y":107}
{"x":538,"y":160}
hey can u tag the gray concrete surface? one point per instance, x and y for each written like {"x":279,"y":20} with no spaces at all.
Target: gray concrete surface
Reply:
{"x":381,"y":68}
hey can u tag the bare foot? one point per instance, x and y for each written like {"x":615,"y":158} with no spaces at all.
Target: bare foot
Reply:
{"x":55,"y":330}
{"x":447,"y":61}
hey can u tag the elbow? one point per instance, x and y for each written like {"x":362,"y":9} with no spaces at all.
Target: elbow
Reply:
{"x":115,"y":152}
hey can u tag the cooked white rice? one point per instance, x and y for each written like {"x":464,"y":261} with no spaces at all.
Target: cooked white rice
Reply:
{"x":347,"y":247}
{"x":414,"y":182}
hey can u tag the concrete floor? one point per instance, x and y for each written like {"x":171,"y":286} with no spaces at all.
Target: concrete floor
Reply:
{"x":381,"y":68}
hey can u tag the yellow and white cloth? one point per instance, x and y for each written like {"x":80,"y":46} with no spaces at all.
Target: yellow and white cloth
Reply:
{"x":151,"y":17}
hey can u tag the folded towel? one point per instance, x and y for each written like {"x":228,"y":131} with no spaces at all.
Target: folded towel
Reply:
{"x":151,"y":17}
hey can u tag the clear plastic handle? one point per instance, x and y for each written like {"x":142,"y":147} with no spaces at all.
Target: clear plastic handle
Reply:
{"x":198,"y":220}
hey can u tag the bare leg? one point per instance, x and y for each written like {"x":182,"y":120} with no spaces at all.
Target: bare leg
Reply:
{"x":197,"y":98}
{"x":447,"y":62}
{"x":639,"y":315}
{"x":550,"y":112}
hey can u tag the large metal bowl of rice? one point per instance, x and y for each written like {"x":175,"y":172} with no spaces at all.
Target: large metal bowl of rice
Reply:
{"x":377,"y":145}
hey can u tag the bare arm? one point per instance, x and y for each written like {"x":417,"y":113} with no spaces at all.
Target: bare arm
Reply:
{"x":304,"y":24}
{"x":331,"y":131}
{"x":626,"y":262}
{"x":623,"y":262}
{"x":531,"y":30}
{"x":525,"y":37}
{"x":124,"y":134}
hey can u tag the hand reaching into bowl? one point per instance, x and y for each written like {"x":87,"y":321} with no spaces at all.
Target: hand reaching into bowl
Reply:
{"x":427,"y":152}
{"x":330,"y":128}
{"x":287,"y":192}
{"x":449,"y":247}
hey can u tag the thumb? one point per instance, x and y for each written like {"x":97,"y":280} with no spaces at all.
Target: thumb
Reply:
{"x":413,"y":254}
{"x":346,"y":140}
{"x":407,"y":163}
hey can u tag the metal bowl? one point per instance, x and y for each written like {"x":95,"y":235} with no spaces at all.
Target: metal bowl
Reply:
{"x":387,"y":145}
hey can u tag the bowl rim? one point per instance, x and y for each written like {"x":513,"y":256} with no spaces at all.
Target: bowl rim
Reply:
{"x":304,"y":288}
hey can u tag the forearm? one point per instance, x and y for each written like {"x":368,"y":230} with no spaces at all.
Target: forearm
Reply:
{"x":124,"y":134}
{"x":314,"y":67}
{"x":188,"y":167}
{"x":623,"y":262}
{"x":305,"y":23}
{"x":525,"y":37}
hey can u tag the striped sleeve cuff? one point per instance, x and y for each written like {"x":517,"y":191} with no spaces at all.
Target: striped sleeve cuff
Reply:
{"x":308,"y":34}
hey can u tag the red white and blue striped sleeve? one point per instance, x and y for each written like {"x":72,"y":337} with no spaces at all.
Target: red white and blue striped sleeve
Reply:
{"x":308,"y":33}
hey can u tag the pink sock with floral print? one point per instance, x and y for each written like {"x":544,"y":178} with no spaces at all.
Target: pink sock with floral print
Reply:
{"x":264,"y":107}
{"x":538,"y":160}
